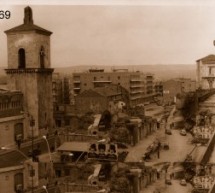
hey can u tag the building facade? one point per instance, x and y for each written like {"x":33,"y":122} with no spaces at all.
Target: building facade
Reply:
{"x":11,"y":117}
{"x":206,"y":72}
{"x":29,"y":72}
{"x":177,"y":86}
{"x":99,"y":99}
{"x":158,"y":86}
{"x":139,"y":85}
{"x":57,"y":90}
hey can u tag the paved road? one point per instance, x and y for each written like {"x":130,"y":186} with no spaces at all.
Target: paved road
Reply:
{"x":179,"y":145}
{"x":163,"y":188}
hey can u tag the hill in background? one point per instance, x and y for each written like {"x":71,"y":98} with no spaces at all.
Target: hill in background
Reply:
{"x":161,"y":72}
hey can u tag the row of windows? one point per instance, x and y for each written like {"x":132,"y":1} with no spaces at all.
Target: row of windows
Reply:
{"x":13,"y":104}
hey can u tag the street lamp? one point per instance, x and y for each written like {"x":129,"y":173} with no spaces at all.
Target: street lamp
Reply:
{"x":49,"y":151}
{"x":50,"y":157}
{"x":32,"y":124}
{"x":44,"y":187}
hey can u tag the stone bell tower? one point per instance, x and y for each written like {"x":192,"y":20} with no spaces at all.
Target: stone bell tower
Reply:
{"x":29,"y":71}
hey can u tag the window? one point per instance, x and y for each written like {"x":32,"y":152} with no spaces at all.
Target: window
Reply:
{"x":18,"y":131}
{"x":210,"y":70}
{"x":21,"y":54}
{"x":42,"y":57}
{"x":18,"y":182}
{"x":118,"y":77}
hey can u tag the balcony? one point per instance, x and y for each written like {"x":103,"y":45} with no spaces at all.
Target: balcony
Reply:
{"x":135,"y":80}
{"x":136,"y":91}
{"x":102,"y":81}
{"x":209,"y":76}
{"x":11,"y":112}
{"x":135,"y":97}
{"x":76,"y":81}
{"x":137,"y":85}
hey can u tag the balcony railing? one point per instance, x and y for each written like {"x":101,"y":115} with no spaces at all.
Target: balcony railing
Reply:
{"x":209,"y":76}
{"x":76,"y":81}
{"x":136,"y":85}
{"x":101,"y":81}
{"x":136,"y":91}
{"x":135,"y":80}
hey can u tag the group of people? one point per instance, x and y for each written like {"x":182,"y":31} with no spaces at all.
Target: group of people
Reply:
{"x":154,"y":147}
{"x":203,"y":132}
{"x":203,"y":181}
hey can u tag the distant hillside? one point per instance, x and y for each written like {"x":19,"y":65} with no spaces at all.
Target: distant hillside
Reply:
{"x":162,"y":72}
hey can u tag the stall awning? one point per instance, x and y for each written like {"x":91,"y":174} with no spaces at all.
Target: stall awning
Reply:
{"x":74,"y":146}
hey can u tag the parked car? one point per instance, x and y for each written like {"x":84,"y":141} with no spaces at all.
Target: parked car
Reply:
{"x":183,"y":182}
{"x":168,"y":132}
{"x":168,"y":182}
{"x":165,"y":145}
{"x":183,"y":132}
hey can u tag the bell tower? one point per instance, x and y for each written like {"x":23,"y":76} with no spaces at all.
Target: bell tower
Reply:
{"x":29,"y":71}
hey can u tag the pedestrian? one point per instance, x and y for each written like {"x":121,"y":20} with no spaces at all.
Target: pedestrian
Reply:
{"x":19,"y":143}
{"x":158,"y":153}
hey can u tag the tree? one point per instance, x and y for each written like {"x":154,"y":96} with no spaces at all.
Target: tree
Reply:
{"x":85,"y":121}
{"x":120,"y":134}
{"x":189,"y":108}
{"x":119,"y":181}
{"x":120,"y":184}
{"x":106,"y":119}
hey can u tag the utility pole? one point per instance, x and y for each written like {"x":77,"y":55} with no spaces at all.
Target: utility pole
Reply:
{"x":32,"y":124}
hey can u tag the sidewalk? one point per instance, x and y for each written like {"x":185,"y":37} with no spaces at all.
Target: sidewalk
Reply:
{"x":158,"y":185}
{"x":164,"y":188}
{"x":136,"y":152}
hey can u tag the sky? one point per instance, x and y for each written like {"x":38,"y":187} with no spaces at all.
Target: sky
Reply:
{"x":122,"y":33}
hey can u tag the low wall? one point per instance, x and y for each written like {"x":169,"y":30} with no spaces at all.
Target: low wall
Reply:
{"x":209,"y":151}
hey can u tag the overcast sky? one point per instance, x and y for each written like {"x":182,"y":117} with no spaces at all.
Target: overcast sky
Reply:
{"x":120,"y":34}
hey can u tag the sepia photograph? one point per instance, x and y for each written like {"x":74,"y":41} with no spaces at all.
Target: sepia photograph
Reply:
{"x":107,"y":96}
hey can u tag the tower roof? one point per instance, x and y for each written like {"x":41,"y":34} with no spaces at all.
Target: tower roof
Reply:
{"x":210,"y":59}
{"x":28,"y":24}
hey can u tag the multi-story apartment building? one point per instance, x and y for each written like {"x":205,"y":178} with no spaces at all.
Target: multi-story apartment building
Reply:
{"x":60,"y":89}
{"x":139,"y":85}
{"x":206,"y":72}
{"x":57,"y":89}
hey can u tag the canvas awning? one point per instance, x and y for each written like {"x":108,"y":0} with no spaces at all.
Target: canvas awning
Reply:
{"x":74,"y":146}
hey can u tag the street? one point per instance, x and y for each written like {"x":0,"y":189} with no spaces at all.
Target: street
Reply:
{"x":179,"y":145}
{"x":160,"y":186}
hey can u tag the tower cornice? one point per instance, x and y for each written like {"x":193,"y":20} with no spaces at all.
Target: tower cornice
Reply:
{"x":29,"y":70}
